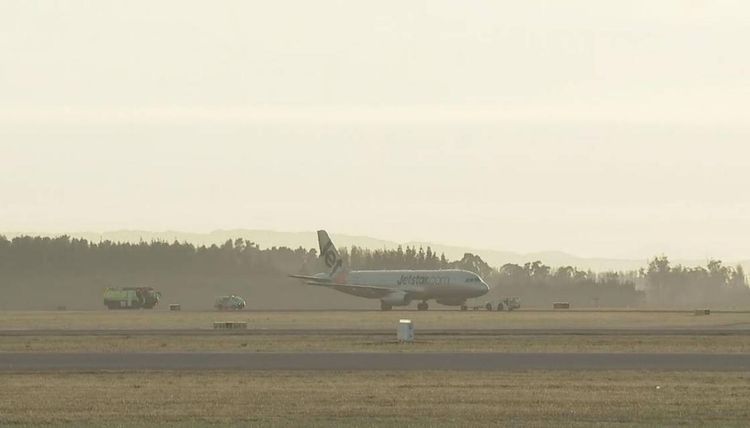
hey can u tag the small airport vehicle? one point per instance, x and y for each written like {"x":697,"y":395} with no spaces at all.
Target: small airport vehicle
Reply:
{"x":230,"y":303}
{"x":509,"y":304}
{"x":131,"y":298}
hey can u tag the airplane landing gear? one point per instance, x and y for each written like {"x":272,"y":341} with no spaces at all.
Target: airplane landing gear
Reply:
{"x":422,"y":306}
{"x":464,"y":308}
{"x":385,"y":307}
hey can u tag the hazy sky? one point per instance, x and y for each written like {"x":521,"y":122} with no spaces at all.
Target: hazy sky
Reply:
{"x":600,"y":128}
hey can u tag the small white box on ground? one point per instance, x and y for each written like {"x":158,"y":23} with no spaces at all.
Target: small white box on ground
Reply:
{"x":405,"y":332}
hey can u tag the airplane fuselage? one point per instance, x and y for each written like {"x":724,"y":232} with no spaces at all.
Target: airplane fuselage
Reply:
{"x":450,"y":285}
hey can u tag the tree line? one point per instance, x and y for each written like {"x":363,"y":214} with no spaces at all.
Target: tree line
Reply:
{"x":65,"y":255}
{"x":714,"y":284}
{"x":47,"y":270}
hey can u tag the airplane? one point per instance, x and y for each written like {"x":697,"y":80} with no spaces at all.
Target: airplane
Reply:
{"x":449,"y":287}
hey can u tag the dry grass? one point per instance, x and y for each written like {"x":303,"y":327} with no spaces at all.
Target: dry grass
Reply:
{"x":375,"y":398}
{"x":354,"y":343}
{"x":161,"y":319}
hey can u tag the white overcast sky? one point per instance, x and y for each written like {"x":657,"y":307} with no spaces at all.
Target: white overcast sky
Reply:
{"x":600,"y":128}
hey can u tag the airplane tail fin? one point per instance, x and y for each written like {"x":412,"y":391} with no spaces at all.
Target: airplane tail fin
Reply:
{"x":329,"y":253}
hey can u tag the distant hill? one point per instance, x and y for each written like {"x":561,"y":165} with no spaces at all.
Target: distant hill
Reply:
{"x":268,"y":238}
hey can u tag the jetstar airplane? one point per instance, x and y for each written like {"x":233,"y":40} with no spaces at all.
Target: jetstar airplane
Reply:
{"x":449,"y":287}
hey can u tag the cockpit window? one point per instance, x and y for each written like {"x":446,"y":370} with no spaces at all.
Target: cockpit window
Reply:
{"x":474,"y":279}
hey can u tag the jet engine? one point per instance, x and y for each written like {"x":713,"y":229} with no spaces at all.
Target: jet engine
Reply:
{"x":397,"y":298}
{"x":452,"y":302}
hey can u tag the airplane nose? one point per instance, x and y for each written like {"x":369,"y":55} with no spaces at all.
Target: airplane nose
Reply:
{"x":483,"y":288}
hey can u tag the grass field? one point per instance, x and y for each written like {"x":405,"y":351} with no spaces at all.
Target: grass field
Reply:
{"x":360,"y":343}
{"x":375,"y":398}
{"x":161,"y":319}
{"x":184,"y":398}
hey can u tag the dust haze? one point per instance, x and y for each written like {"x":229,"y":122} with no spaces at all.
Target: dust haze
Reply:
{"x":613,"y":134}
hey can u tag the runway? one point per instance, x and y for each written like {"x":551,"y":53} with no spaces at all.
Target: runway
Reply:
{"x":372,"y":361}
{"x":731,"y":330}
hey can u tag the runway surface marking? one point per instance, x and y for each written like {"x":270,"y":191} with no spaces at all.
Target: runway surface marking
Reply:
{"x":372,"y":361}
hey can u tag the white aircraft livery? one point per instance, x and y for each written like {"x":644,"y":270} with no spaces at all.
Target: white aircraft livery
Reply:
{"x":396,"y":287}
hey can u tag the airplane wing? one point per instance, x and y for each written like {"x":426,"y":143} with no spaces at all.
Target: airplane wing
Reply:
{"x":312,"y":278}
{"x":370,"y":288}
